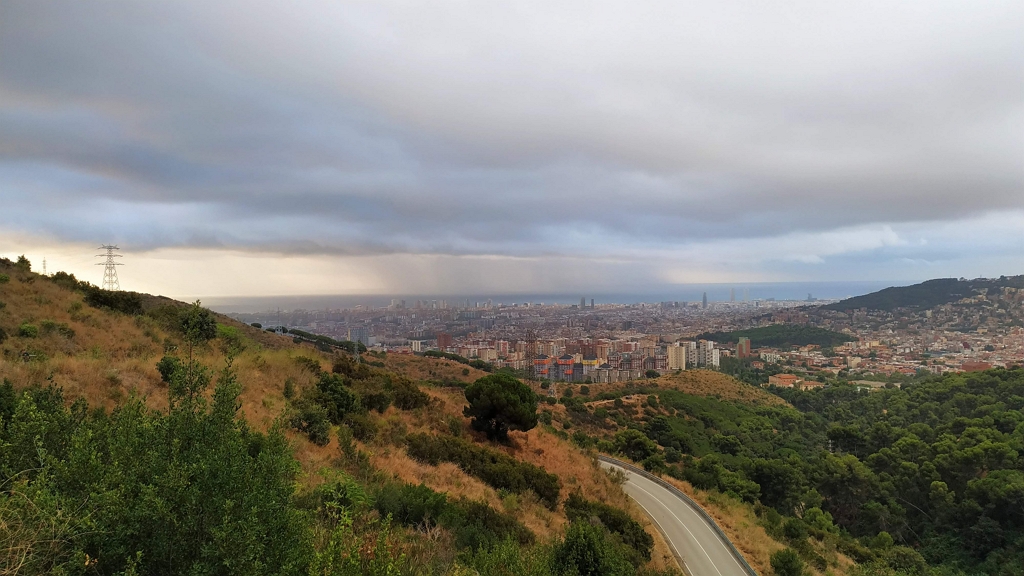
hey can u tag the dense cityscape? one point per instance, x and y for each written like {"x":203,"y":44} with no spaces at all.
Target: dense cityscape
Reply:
{"x":591,"y":342}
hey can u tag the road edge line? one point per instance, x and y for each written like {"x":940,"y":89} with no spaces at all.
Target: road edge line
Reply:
{"x":692,"y":503}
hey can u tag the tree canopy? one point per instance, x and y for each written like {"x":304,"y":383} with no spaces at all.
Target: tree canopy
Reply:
{"x":499,"y":403}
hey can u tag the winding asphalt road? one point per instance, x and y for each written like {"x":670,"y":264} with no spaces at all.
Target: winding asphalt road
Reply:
{"x":696,"y":542}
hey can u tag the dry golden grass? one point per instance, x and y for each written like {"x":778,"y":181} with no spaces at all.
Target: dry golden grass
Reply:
{"x":699,"y":383}
{"x":718,"y":385}
{"x":424,"y":368}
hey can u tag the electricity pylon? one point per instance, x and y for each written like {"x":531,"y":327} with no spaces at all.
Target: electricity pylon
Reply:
{"x":109,"y":271}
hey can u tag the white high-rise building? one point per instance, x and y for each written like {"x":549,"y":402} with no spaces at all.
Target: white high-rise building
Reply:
{"x":707,"y":354}
{"x":677,"y":357}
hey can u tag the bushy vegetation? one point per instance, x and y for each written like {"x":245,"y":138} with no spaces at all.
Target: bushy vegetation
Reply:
{"x":407,"y":395}
{"x":782,"y":336}
{"x":186,"y":491}
{"x":475,"y":525}
{"x":894,"y":478}
{"x":616,"y":521}
{"x":494,"y":468}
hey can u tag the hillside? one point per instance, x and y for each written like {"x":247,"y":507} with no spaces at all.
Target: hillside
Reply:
{"x":275,"y":438}
{"x":782,"y":336}
{"x":926,"y":294}
{"x":894,"y":481}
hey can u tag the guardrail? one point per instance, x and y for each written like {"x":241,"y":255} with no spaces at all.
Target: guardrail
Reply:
{"x":690,"y":501}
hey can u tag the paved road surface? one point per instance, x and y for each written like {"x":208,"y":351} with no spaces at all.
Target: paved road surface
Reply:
{"x":687,"y":532}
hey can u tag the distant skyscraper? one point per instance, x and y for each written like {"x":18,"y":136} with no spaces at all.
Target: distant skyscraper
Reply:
{"x":591,"y":302}
{"x":746,"y":294}
{"x":732,"y":294}
{"x":704,"y":301}
{"x":583,"y":303}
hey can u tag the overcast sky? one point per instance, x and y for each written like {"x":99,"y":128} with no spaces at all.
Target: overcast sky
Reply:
{"x":314,"y":146}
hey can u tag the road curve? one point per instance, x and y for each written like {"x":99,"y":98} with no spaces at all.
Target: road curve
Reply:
{"x":692,"y":536}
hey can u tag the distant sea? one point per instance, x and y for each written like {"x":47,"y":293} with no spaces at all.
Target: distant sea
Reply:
{"x":675,"y":293}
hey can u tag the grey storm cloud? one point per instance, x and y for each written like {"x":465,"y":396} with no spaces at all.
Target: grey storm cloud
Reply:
{"x":534,"y":128}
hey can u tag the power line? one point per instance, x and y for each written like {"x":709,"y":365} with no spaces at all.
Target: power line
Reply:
{"x":110,"y":281}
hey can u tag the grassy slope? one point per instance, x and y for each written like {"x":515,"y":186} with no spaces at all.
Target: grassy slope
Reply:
{"x":111,"y":356}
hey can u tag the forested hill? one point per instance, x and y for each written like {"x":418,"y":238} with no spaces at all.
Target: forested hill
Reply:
{"x":923,"y":480}
{"x":782,"y":336}
{"x":926,"y":294}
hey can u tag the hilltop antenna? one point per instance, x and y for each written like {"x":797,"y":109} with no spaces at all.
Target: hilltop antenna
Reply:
{"x":109,"y":271}
{"x":44,"y":265}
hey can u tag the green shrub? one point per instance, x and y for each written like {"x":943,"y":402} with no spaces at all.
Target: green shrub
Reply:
{"x":343,"y":493}
{"x":787,"y":562}
{"x":496,"y":469}
{"x":308,"y":364}
{"x":4,"y":278}
{"x":410,"y":504}
{"x":27,"y":330}
{"x":347,"y":366}
{"x":617,"y":521}
{"x":312,"y":420}
{"x":454,"y":425}
{"x":362,"y":425}
{"x":289,"y":388}
{"x":475,"y":525}
{"x":634,"y":445}
{"x":167,"y":366}
{"x":187,"y":490}
{"x":50,"y":327}
{"x":232,"y":337}
{"x":336,"y":399}
{"x":407,"y":395}
{"x":481,"y":365}
{"x":125,"y":302}
{"x":794,"y":529}
{"x":588,"y":551}
{"x":378,"y":401}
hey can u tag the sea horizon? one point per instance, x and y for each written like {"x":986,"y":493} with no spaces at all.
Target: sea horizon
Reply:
{"x":716,"y":292}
